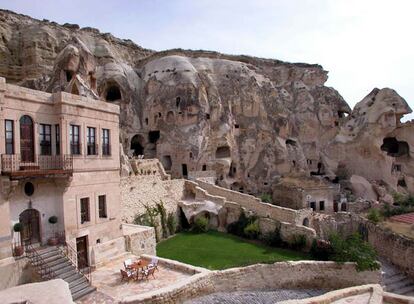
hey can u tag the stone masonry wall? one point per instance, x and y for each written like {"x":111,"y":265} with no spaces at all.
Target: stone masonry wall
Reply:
{"x":148,"y":189}
{"x":14,"y":272}
{"x":139,"y":239}
{"x":304,"y":274}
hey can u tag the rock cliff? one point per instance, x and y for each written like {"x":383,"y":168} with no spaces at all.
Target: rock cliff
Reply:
{"x":249,"y":120}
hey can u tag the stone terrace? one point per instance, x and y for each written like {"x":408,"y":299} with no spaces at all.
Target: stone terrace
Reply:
{"x":110,"y":289}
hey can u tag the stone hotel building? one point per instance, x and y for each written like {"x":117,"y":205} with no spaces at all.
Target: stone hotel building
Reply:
{"x":59,"y":158}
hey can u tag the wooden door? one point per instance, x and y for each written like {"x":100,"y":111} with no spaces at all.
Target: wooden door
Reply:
{"x":31,"y":227}
{"x":26,"y":139}
{"x":82,"y":251}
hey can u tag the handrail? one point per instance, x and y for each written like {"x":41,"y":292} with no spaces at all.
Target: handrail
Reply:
{"x":37,"y":261}
{"x":11,"y":163}
{"x":73,"y":257}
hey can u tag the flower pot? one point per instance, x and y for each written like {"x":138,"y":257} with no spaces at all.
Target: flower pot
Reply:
{"x":53,"y":241}
{"x":18,"y":251}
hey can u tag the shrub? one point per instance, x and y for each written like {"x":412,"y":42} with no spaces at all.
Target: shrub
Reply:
{"x":267,"y":198}
{"x":321,"y":250}
{"x":252,"y":230}
{"x":354,"y":249}
{"x":200,"y":225}
{"x":171,"y":223}
{"x":237,"y":227}
{"x":272,"y":239}
{"x":374,"y":215}
{"x":298,"y":242}
{"x":17,"y":227}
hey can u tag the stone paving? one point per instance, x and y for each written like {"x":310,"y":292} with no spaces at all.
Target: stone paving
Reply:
{"x":110,"y":289}
{"x":256,"y":297}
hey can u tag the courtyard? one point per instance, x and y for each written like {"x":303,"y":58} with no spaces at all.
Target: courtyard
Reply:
{"x":216,"y":250}
{"x":111,"y":289}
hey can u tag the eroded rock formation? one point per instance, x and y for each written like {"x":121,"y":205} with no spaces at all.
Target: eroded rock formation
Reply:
{"x":250,"y":120}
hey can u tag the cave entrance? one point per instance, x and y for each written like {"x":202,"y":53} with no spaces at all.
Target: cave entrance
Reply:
{"x":153,"y":136}
{"x":166,"y":162}
{"x":137,"y":145}
{"x":223,"y":152}
{"x":184,"y":170}
{"x":113,"y":93}
{"x":395,"y":148}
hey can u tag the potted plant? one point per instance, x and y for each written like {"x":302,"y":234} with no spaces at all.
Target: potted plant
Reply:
{"x":53,"y":241}
{"x":18,"y":249}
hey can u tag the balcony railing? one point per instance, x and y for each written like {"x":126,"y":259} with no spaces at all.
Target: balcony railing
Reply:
{"x":11,"y":164}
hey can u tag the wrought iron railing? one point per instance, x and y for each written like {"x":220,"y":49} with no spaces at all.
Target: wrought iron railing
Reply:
{"x":74,"y":257}
{"x":38,"y":262}
{"x":12,"y":163}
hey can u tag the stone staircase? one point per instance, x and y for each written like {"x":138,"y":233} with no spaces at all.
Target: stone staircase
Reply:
{"x":61,"y":267}
{"x":395,"y":281}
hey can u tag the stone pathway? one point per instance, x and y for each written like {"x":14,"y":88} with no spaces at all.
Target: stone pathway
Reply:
{"x":395,"y":281}
{"x":256,"y":297}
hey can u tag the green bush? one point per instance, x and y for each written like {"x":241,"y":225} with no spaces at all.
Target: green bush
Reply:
{"x":267,"y":198}
{"x":200,"y":225}
{"x":272,"y":239}
{"x":321,"y":250}
{"x":388,"y":211}
{"x":171,"y":223}
{"x":252,"y":230}
{"x":298,"y":242}
{"x":374,"y":215}
{"x":17,"y":227}
{"x":354,"y":249}
{"x":237,"y":227}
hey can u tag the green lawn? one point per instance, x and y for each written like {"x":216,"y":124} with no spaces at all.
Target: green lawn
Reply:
{"x":216,"y":250}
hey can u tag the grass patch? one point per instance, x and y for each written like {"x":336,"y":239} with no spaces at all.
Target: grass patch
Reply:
{"x":216,"y":250}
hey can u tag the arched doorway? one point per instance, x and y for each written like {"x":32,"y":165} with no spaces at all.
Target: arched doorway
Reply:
{"x":26,"y":139}
{"x":305,"y":222}
{"x":137,"y":145}
{"x":30,"y":220}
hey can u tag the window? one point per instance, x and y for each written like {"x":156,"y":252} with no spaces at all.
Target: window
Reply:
{"x":106,"y":148}
{"x":84,"y":206}
{"x":91,"y":140}
{"x":102,"y":206}
{"x":74,"y":140}
{"x":322,"y":205}
{"x":57,"y":137}
{"x":313,"y":205}
{"x":9,"y":129}
{"x":45,"y":133}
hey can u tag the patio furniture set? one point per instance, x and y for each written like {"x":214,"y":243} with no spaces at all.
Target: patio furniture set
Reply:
{"x":139,"y":269}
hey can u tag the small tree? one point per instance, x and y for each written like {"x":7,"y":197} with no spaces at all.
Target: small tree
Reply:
{"x":18,"y":227}
{"x":374,"y":215}
{"x":200,"y":225}
{"x":267,"y":198}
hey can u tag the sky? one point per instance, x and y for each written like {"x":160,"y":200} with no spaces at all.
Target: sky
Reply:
{"x":363,"y":44}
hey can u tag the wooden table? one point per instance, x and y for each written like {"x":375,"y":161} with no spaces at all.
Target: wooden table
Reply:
{"x":139,"y":266}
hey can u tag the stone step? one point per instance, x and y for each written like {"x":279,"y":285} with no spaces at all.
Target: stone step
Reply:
{"x":83,"y":292}
{"x":66,"y":269}
{"x":67,"y":274}
{"x":79,"y":287}
{"x":46,"y":249}
{"x":405,"y":290}
{"x":76,"y":281}
{"x":57,"y":261}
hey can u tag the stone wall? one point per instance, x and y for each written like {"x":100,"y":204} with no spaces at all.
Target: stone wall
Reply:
{"x":140,"y":190}
{"x":104,"y":252}
{"x":304,"y":274}
{"x":139,"y":239}
{"x":14,"y":272}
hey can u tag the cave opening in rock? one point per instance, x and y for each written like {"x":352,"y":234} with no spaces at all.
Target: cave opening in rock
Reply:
{"x":207,"y":116}
{"x":395,"y":148}
{"x":137,"y":145}
{"x":69,"y":75}
{"x":402,"y":183}
{"x":204,"y":168}
{"x":184,"y":224}
{"x":291,"y":142}
{"x":153,"y":136}
{"x":223,"y":152}
{"x":184,"y":170}
{"x":113,"y":93}
{"x":342,"y":114}
{"x":166,"y":162}
{"x":177,"y":102}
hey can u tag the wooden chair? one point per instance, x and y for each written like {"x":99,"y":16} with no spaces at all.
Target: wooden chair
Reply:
{"x":154,"y":263}
{"x":126,"y":275}
{"x":147,"y":272}
{"x":128,"y":264}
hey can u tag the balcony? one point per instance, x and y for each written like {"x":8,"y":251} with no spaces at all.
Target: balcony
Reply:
{"x":43,"y":165}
